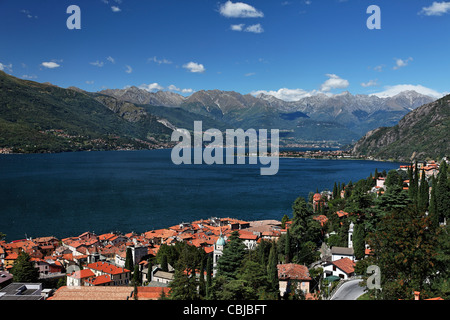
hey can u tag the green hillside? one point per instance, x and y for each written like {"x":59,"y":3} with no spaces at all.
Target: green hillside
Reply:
{"x":422,"y":133}
{"x":37,"y":117}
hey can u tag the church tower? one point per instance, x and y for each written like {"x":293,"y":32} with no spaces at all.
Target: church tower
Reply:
{"x":218,"y":251}
{"x":350,"y":235}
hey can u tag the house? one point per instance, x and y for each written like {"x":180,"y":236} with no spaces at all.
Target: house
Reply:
{"x":249,"y":239}
{"x":289,"y":273}
{"x":78,"y":278}
{"x":343,"y":268}
{"x":342,"y":252}
{"x":160,"y":276}
{"x":380,"y":182}
{"x":318,"y":202}
{"x":119,"y":276}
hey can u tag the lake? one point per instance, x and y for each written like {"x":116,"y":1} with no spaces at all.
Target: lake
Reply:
{"x":67,"y":194}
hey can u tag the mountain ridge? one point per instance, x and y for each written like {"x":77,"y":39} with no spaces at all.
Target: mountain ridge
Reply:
{"x":422,"y":133}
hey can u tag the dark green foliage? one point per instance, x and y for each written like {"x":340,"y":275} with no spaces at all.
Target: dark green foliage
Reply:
{"x":423,"y":195}
{"x":23,"y":269}
{"x":272,"y":270}
{"x":233,"y":255}
{"x":359,"y":236}
{"x":129,"y":260}
{"x":405,"y":248}
{"x":183,"y":286}
{"x":443,"y":193}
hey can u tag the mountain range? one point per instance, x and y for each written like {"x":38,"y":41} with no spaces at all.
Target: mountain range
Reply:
{"x":341,"y":118}
{"x":41,"y":117}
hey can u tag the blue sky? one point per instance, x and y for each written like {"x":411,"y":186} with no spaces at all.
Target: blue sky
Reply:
{"x":287,"y":48}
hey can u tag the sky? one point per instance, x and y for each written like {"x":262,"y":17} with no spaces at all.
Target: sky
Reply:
{"x":288,"y":48}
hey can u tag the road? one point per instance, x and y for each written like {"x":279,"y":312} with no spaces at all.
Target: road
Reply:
{"x":350,"y":290}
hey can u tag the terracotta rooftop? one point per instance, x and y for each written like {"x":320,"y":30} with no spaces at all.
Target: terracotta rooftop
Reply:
{"x":293,"y":271}
{"x":93,"y":293}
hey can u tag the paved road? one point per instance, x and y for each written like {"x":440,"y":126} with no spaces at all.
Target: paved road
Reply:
{"x":349,"y":291}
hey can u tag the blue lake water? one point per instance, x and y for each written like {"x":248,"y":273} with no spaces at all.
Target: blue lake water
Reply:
{"x":67,"y":194}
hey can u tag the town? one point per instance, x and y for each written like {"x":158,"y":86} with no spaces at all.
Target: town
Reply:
{"x":331,"y":238}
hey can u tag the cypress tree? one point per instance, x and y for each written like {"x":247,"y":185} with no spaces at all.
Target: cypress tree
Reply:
{"x":202,"y":284}
{"x":164,"y":263}
{"x":423,"y":196}
{"x":359,"y":244}
{"x":432,"y":208}
{"x":129,"y":260}
{"x":272,"y":270}
{"x":335,"y":191}
{"x":209,"y":276}
{"x":287,"y":247}
{"x":443,"y":193}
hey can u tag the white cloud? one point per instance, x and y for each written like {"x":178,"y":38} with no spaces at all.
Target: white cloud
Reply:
{"x":6,"y":67}
{"x":249,"y":74}
{"x":256,"y":28}
{"x":370,"y":83}
{"x":129,"y":69}
{"x":239,"y":10}
{"x":399,"y":63}
{"x":90,"y":82}
{"x":287,"y":94}
{"x":111,"y":59}
{"x":237,"y":27}
{"x":159,"y":61}
{"x":194,"y":67}
{"x":115,"y":9}
{"x":436,"y":9}
{"x":50,"y":65}
{"x":174,"y":88}
{"x":97,"y":63}
{"x":379,"y":68}
{"x":334,"y":82}
{"x":390,"y":91}
{"x":151,"y":87}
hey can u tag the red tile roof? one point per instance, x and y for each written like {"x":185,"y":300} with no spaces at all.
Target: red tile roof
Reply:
{"x":345,"y":264}
{"x":106,"y":268}
{"x":293,"y":271}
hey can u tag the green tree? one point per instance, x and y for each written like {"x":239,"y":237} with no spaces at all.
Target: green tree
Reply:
{"x":129,"y":260}
{"x":432,"y":207}
{"x":232,"y":257}
{"x":284,"y":220}
{"x":272,"y":269}
{"x":423,"y":196}
{"x":405,"y":249}
{"x":183,"y":286}
{"x":287,"y":247}
{"x":23,"y":269}
{"x":443,"y":193}
{"x":164,"y":263}
{"x":359,"y":243}
{"x":392,"y":179}
{"x":335,"y":191}
{"x":209,"y":271}
{"x":136,"y":280}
